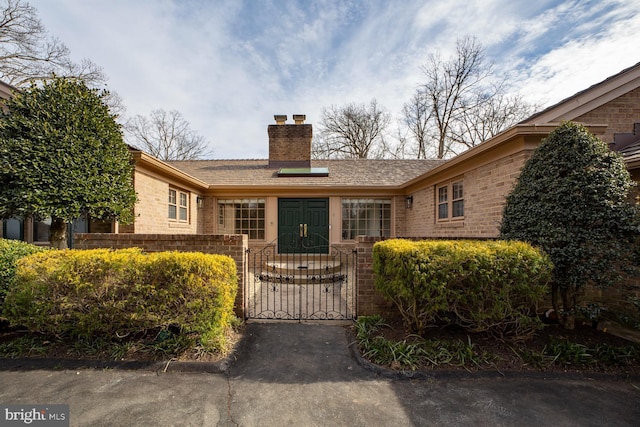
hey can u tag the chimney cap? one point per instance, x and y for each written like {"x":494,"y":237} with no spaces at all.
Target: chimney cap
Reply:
{"x":280,"y":119}
{"x":299,"y":118}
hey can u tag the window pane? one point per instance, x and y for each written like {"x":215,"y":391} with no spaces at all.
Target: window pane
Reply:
{"x":366,"y":217}
{"x":183,"y":214}
{"x":457,"y":190}
{"x":242,"y":216}
{"x":458,"y":208}
{"x":41,"y":230}
{"x":183,"y":199}
{"x":442,"y":194}
{"x":172,"y":197}
{"x":172,"y":212}
{"x":443,"y":211}
{"x":13,"y":229}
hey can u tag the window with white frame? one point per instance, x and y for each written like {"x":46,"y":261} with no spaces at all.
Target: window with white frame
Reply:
{"x":450,"y":201}
{"x":366,"y":217}
{"x":178,"y":205}
{"x":242,"y":216}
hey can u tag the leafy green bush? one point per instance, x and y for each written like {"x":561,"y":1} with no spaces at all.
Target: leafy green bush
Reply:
{"x":485,"y":286}
{"x":110,"y":294}
{"x":572,"y":200}
{"x":10,"y":252}
{"x":414,"y":353}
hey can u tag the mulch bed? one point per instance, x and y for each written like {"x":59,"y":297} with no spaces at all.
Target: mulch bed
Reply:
{"x":507,"y":360}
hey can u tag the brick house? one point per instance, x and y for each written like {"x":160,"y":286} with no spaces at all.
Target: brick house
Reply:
{"x":294,"y":202}
{"x":340,"y":199}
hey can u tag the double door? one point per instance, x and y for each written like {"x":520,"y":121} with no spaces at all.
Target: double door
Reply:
{"x":303,"y":226}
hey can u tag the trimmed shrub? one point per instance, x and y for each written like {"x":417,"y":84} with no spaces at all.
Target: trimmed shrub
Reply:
{"x":80,"y":294}
{"x":572,"y":199}
{"x":484,"y":286}
{"x":10,"y":252}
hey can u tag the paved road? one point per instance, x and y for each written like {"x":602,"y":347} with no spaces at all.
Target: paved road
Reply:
{"x":305,"y":375}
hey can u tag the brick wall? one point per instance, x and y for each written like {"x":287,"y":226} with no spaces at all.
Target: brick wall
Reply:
{"x":289,"y":143}
{"x":369,"y":300}
{"x":619,"y":114}
{"x":233,"y":245}
{"x":485,"y":190}
{"x":152,"y":208}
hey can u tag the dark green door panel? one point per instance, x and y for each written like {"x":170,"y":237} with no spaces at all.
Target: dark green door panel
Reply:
{"x":303,"y":225}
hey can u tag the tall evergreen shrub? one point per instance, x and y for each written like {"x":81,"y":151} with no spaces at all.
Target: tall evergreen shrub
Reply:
{"x":572,"y":200}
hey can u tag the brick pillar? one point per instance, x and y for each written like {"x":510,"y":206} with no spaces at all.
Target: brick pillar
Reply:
{"x":369,"y":300}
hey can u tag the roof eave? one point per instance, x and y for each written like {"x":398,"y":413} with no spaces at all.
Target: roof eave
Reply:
{"x":500,"y":139}
{"x":157,"y":165}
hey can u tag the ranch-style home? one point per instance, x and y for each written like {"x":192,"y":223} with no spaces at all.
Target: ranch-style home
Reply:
{"x":333,"y":201}
{"x":293,"y":204}
{"x":290,"y":194}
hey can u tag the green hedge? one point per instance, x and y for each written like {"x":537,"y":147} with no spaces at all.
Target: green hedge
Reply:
{"x":485,"y":286}
{"x":80,"y":294}
{"x":10,"y":252}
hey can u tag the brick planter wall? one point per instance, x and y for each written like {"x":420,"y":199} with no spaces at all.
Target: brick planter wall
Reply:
{"x":369,"y":300}
{"x":233,"y":245}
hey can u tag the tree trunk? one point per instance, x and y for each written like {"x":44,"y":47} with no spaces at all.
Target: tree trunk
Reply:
{"x":58,"y":233}
{"x":566,"y":316}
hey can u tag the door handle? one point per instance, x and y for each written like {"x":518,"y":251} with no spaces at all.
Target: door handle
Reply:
{"x":305,"y":230}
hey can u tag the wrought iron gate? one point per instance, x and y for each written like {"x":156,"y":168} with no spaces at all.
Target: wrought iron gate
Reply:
{"x":301,"y":286}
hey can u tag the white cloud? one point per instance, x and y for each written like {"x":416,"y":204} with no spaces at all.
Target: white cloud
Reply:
{"x":228,"y":66}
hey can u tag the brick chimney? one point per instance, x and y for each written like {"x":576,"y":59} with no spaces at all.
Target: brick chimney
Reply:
{"x":289,"y":145}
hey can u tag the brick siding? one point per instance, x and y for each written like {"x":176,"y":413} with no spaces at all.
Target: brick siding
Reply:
{"x":151,"y":210}
{"x":485,"y":192}
{"x":619,"y":115}
{"x":289,"y":143}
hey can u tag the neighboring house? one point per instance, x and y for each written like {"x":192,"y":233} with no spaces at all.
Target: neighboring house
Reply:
{"x":330,"y":202}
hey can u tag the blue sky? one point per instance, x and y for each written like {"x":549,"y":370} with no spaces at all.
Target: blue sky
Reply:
{"x":229,"y":66}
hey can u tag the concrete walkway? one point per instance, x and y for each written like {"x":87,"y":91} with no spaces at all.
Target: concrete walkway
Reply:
{"x":306,"y":375}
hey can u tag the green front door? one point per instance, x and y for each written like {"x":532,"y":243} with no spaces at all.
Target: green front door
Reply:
{"x":303,"y":226}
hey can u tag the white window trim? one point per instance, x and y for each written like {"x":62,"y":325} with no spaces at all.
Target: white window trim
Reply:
{"x":177,"y":203}
{"x":450,"y":200}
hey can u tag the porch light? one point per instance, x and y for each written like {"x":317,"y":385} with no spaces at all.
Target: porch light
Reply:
{"x":200,"y":202}
{"x":409,"y":202}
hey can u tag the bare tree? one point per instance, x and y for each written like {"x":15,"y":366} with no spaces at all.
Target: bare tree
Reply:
{"x":460,"y":104}
{"x":490,"y":114}
{"x":28,"y":53}
{"x":417,"y":117}
{"x":166,"y":135}
{"x":352,"y":131}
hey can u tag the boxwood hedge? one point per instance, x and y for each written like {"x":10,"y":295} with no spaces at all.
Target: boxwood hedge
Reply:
{"x":10,"y":252}
{"x":79,"y":294}
{"x":484,"y":286}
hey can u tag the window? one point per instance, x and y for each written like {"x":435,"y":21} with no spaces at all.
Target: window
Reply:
{"x":242,"y":216}
{"x":178,"y":205}
{"x":366,"y":217}
{"x":450,"y":201}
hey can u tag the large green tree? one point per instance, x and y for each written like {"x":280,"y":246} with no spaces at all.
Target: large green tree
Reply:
{"x":572,"y":200}
{"x":62,"y":155}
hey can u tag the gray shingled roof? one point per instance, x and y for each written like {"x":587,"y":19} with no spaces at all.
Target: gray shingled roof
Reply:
{"x":352,"y":172}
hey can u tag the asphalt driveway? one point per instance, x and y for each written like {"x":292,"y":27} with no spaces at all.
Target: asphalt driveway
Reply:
{"x":306,"y":375}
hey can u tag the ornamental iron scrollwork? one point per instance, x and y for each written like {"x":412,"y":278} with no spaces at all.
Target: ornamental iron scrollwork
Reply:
{"x":317,"y":284}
